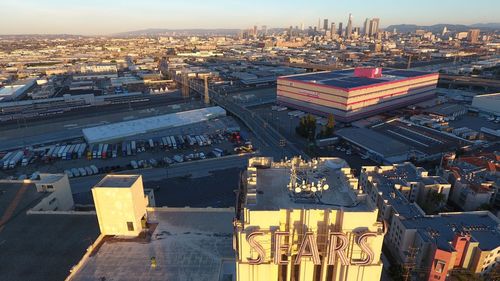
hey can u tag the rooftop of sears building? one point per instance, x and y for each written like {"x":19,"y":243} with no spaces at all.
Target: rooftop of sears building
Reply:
{"x":323,"y":183}
{"x":187,"y":244}
{"x":348,"y":80}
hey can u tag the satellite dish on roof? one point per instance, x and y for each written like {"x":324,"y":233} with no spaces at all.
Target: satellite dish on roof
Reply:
{"x":298,"y":190}
{"x":326,"y":186}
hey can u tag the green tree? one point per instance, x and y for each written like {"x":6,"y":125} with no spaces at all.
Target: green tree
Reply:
{"x":307,"y":127}
{"x":433,"y":202}
{"x":396,"y":272}
{"x":476,"y":71}
{"x":485,"y":207}
{"x":464,"y":275}
{"x":327,"y":130}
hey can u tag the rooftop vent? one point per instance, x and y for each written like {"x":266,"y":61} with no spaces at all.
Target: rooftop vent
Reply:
{"x":368,"y":72}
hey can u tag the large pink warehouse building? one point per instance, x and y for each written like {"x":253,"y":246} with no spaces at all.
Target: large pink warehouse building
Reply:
{"x":355,"y":93}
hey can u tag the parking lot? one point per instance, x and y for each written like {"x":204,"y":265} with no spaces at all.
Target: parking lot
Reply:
{"x":255,"y":97}
{"x":214,"y":138}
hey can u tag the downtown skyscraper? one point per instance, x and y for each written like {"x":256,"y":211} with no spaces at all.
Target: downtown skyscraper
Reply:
{"x":348,"y":31}
{"x":366,"y":27}
{"x":374,"y":26}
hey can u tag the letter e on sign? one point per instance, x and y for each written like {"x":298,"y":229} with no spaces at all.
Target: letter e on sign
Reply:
{"x":279,"y":248}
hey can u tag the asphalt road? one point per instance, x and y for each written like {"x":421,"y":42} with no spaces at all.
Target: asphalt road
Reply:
{"x":195,"y":169}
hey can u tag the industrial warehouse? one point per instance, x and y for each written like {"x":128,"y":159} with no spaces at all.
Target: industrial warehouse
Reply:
{"x":121,"y":130}
{"x":355,"y":93}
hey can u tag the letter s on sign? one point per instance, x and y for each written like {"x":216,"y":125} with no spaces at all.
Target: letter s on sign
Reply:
{"x":363,"y":244}
{"x":256,"y":246}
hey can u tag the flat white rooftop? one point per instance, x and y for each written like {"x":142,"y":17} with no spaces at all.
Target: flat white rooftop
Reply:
{"x":120,"y":130}
{"x":117,"y":181}
{"x":188,"y":244}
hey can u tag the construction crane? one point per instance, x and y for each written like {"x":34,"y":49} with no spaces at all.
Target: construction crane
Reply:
{"x":207,"y":97}
{"x":409,"y":61}
{"x":185,"y":85}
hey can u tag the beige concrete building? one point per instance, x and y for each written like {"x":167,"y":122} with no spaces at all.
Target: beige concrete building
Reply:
{"x":306,"y":221}
{"x":295,"y":220}
{"x":60,"y":197}
{"x":120,"y":204}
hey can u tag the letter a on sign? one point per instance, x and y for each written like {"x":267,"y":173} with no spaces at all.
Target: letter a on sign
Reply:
{"x":256,"y":246}
{"x":308,"y":248}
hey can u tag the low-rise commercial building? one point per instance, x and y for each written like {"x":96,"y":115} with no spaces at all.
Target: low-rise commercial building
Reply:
{"x":489,"y":104}
{"x":475,"y":182}
{"x":434,"y":245}
{"x":378,"y":147}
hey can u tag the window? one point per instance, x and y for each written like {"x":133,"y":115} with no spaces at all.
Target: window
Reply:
{"x":440,"y":266}
{"x":130,"y":226}
{"x":282,"y":272}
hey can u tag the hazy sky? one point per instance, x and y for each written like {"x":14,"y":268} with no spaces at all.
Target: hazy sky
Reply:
{"x":109,"y":16}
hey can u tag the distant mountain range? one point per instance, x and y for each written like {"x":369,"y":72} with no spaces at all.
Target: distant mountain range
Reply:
{"x":165,"y":31}
{"x":405,"y":28}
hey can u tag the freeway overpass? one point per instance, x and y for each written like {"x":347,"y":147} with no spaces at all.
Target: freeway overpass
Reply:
{"x":276,"y":144}
{"x":452,"y":81}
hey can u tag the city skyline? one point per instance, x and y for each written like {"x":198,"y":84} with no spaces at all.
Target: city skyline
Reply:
{"x":95,"y":18}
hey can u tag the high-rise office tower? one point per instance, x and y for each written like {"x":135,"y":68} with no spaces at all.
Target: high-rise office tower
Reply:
{"x":333,"y":29}
{"x":356,"y":32}
{"x":374,"y":25}
{"x":325,"y":24}
{"x":445,"y":30}
{"x":366,"y":27}
{"x":302,"y":26}
{"x":348,"y":30}
{"x":473,"y":35}
{"x":319,"y":24}
{"x":341,"y":30}
{"x":264,"y":30}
